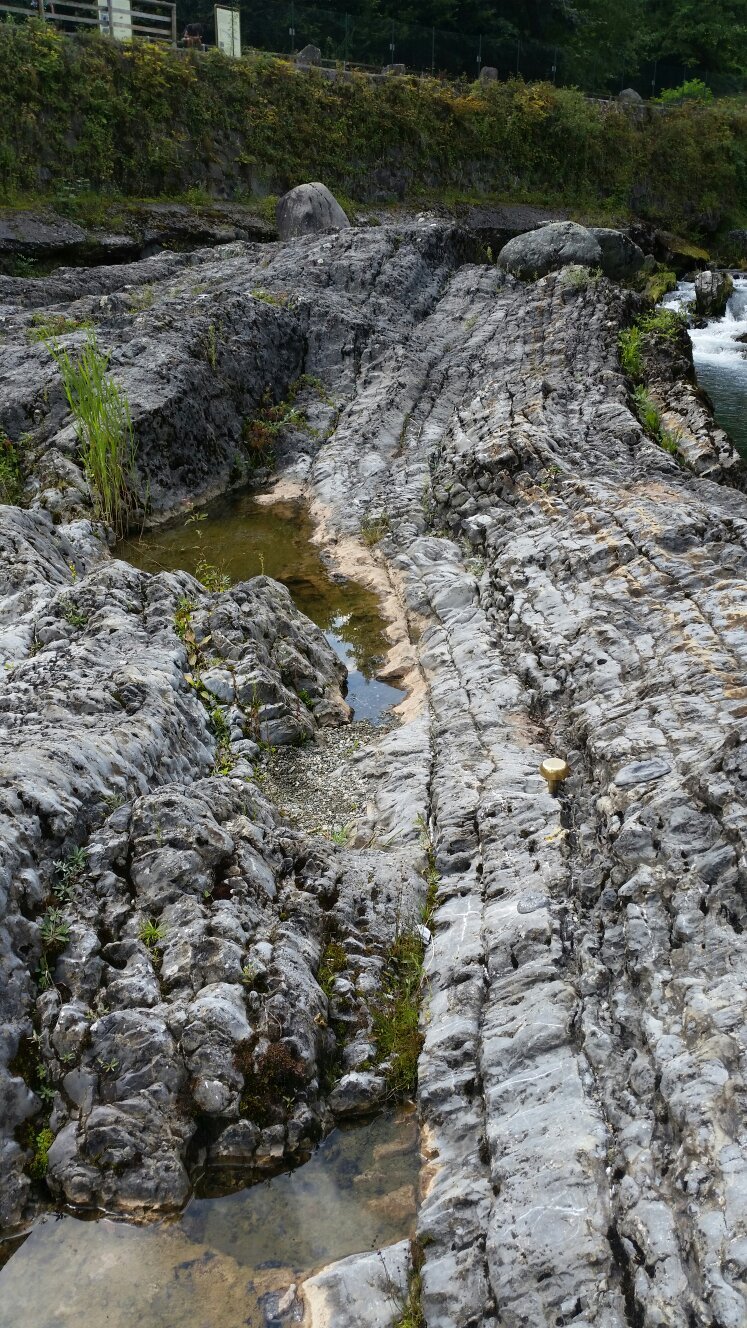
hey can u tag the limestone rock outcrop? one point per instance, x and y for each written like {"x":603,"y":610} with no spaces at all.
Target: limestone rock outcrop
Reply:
{"x":571,"y":590}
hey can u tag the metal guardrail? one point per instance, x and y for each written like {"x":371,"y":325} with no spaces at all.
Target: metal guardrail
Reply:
{"x":154,"y":19}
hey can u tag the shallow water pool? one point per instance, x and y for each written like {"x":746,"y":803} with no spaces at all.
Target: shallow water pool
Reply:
{"x":244,"y":537}
{"x":222,"y":1262}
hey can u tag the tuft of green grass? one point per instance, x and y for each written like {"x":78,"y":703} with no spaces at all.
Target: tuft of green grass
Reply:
{"x":151,"y":933}
{"x":629,"y":345}
{"x":104,"y":428}
{"x":647,"y":412}
{"x":374,"y":528}
{"x":44,"y":327}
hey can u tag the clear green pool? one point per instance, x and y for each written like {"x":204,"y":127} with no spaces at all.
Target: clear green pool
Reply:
{"x":244,"y":537}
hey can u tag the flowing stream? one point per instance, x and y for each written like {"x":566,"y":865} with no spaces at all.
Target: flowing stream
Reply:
{"x":720,"y":357}
{"x":243,"y":537}
{"x":226,"y":1259}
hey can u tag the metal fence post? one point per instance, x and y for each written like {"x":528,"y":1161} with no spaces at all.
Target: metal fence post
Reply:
{"x":173,"y":25}
{"x":110,"y":16}
{"x":40,"y":5}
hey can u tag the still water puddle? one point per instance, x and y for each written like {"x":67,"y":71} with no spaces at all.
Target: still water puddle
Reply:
{"x":720,"y":358}
{"x":215,"y":1266}
{"x":245,"y":537}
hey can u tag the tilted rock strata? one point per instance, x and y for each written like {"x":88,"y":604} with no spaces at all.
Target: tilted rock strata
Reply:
{"x":573,"y":590}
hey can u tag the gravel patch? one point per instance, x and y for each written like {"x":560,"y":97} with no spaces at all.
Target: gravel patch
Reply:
{"x":320,"y":787}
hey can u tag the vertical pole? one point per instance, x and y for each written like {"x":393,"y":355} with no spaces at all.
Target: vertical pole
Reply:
{"x":479,"y":54}
{"x":653,"y":80}
{"x":292,"y":30}
{"x":518,"y":49}
{"x":391,"y":47}
{"x":110,"y":16}
{"x":173,"y":25}
{"x":40,"y":4}
{"x":347,"y":19}
{"x":433,"y":52}
{"x":555,"y":64}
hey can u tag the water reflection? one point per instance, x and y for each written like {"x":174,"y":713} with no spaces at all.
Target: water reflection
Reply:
{"x":244,"y":537}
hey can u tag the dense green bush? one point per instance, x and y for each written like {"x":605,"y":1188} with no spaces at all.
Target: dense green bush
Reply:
{"x":148,"y":121}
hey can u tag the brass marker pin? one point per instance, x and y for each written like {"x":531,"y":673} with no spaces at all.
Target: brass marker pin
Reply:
{"x":554,"y":771}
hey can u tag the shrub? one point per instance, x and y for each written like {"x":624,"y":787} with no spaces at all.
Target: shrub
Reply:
{"x":693,"y":89}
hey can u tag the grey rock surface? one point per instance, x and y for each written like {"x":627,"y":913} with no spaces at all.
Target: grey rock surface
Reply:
{"x":622,"y":259}
{"x":712,"y":291}
{"x":309,"y":209}
{"x":569,"y":589}
{"x":550,"y":247}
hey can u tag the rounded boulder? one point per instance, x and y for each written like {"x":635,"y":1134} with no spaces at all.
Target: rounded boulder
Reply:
{"x":309,"y":209}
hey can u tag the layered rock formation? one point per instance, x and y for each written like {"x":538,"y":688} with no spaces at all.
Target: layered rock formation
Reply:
{"x":571,"y":589}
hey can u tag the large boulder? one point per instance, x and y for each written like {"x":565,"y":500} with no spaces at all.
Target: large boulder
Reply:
{"x":712,"y":291}
{"x":621,"y":256}
{"x":630,"y":96}
{"x":309,"y":209}
{"x":550,"y":247}
{"x":565,"y":243}
{"x":310,"y":55}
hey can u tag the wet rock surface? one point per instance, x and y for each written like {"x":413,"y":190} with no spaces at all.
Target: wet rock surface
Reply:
{"x":571,"y":591}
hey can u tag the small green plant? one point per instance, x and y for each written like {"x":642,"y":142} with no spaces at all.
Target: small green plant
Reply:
{"x":108,"y":1067}
{"x":576,"y":277}
{"x":42,"y":1142}
{"x":73,"y":615}
{"x":104,"y":428}
{"x":374,"y":528}
{"x":54,"y":930}
{"x":305,"y":697}
{"x":281,"y":299}
{"x":333,"y":961}
{"x":212,"y":577}
{"x":224,"y":757}
{"x":11,"y":481}
{"x":151,"y":933}
{"x":261,"y":431}
{"x":396,"y":1015}
{"x":412,"y":1315}
{"x":68,"y":872}
{"x":44,"y":327}
{"x":141,"y":299}
{"x":340,"y":835}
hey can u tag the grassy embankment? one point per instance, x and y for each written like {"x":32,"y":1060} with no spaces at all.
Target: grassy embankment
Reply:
{"x":86,"y":121}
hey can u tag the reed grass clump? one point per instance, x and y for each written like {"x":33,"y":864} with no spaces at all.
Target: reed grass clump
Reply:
{"x":104,"y":428}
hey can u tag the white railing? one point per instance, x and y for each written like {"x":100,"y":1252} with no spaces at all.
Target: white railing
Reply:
{"x":123,"y":19}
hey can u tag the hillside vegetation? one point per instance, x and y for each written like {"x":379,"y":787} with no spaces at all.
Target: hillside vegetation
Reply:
{"x":143,"y":120}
